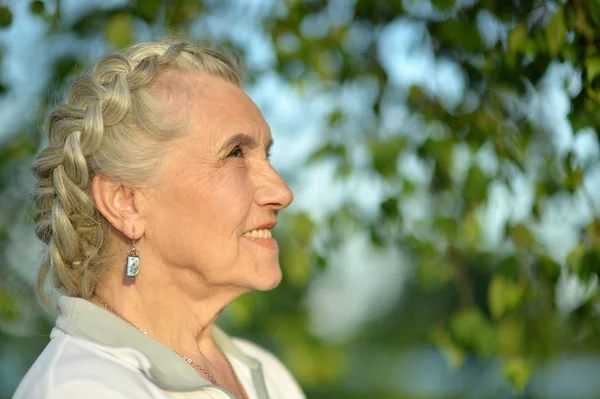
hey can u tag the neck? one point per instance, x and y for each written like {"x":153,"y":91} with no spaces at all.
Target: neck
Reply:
{"x":168,"y":313}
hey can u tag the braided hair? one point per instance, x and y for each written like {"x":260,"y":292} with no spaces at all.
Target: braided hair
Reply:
{"x":112,"y":123}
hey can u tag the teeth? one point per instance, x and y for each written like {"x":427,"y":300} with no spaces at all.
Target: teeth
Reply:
{"x":262,"y":233}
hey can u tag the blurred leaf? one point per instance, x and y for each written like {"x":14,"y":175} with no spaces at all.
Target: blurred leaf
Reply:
{"x":296,"y":262}
{"x":511,"y":332}
{"x":469,"y":231}
{"x":589,"y":264}
{"x":455,"y":33}
{"x":37,"y":7}
{"x":573,"y":180}
{"x":472,"y":330}
{"x":377,"y":12}
{"x":241,"y":310}
{"x":385,"y":155}
{"x":592,"y":69}
{"x":435,"y":273}
{"x":389,"y":208}
{"x":503,"y":295}
{"x":302,"y":227}
{"x":447,"y":225}
{"x":119,"y":30}
{"x":8,"y":307}
{"x":475,"y":186}
{"x":148,"y":9}
{"x":443,"y":4}
{"x":556,"y":33}
{"x":519,"y":43}
{"x":517,"y":371}
{"x":181,"y":12}
{"x":453,"y":354}
{"x":329,"y":150}
{"x":574,"y":257}
{"x":6,"y":17}
{"x":64,"y":67}
{"x":315,"y":365}
{"x":521,"y":236}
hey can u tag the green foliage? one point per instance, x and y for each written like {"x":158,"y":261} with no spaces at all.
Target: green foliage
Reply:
{"x":503,"y":296}
{"x":37,"y":7}
{"x":556,"y":33}
{"x":5,"y":17}
{"x":385,"y":154}
{"x":471,"y":330}
{"x":119,"y":29}
{"x":517,"y":371}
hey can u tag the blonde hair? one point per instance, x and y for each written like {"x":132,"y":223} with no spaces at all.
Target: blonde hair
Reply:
{"x":112,"y":123}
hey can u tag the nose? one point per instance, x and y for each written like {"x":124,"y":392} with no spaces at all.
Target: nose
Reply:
{"x":272,"y":190}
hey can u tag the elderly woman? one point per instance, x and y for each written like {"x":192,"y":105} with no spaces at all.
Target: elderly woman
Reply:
{"x":156,"y":199}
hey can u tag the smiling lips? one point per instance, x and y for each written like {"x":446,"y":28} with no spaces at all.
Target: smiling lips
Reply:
{"x":261,"y":237}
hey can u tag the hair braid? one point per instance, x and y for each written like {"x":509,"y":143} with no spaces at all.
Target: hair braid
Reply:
{"x":110,"y":123}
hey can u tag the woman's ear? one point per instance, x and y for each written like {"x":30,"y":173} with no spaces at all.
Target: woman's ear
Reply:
{"x":117,"y":203}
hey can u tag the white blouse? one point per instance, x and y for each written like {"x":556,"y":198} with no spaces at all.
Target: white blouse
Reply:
{"x":94,"y":354}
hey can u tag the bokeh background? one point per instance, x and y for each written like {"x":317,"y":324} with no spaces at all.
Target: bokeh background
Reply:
{"x":445,"y":238}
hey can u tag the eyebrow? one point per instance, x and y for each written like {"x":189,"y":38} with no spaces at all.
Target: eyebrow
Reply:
{"x":245,"y":140}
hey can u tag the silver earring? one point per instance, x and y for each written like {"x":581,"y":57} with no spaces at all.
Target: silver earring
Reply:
{"x":133,"y":259}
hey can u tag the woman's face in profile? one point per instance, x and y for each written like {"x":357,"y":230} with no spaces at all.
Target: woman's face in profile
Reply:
{"x":214,"y":187}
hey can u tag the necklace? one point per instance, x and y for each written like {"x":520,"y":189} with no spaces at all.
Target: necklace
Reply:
{"x":187,"y":359}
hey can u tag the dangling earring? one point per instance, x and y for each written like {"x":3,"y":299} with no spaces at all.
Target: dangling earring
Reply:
{"x":133,"y":259}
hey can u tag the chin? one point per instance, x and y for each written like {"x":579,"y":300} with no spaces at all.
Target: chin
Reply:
{"x":269,"y":281}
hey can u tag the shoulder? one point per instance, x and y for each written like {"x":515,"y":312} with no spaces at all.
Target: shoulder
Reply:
{"x":68,"y":366}
{"x":277,"y":376}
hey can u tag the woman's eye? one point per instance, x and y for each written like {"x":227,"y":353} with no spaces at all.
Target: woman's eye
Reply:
{"x":236,"y":152}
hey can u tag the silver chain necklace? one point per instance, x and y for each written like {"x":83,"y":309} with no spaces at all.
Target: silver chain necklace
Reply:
{"x":187,"y":359}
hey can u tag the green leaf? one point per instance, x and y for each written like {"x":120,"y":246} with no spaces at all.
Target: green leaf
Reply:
{"x":241,"y":310}
{"x":574,"y":257}
{"x":457,"y":34}
{"x":475,"y":187}
{"x":589,"y":264}
{"x":8,"y":308}
{"x":573,"y":180}
{"x":302,"y":227}
{"x":556,"y":33}
{"x":181,"y":12}
{"x":472,"y":330}
{"x":454,"y":355}
{"x":385,"y":155}
{"x":329,"y":150}
{"x":519,"y":43}
{"x":469,"y":230}
{"x":36,"y":7}
{"x":511,"y":332}
{"x":592,"y":69}
{"x":503,"y":295}
{"x":443,"y":4}
{"x":6,"y":17}
{"x":148,"y":9}
{"x":521,"y":236}
{"x":389,"y":208}
{"x":435,"y":273}
{"x":119,"y":30}
{"x":517,"y":371}
{"x":296,"y":264}
{"x":517,"y":38}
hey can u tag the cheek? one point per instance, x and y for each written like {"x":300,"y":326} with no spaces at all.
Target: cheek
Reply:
{"x":202,"y":220}
{"x":230,"y":197}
